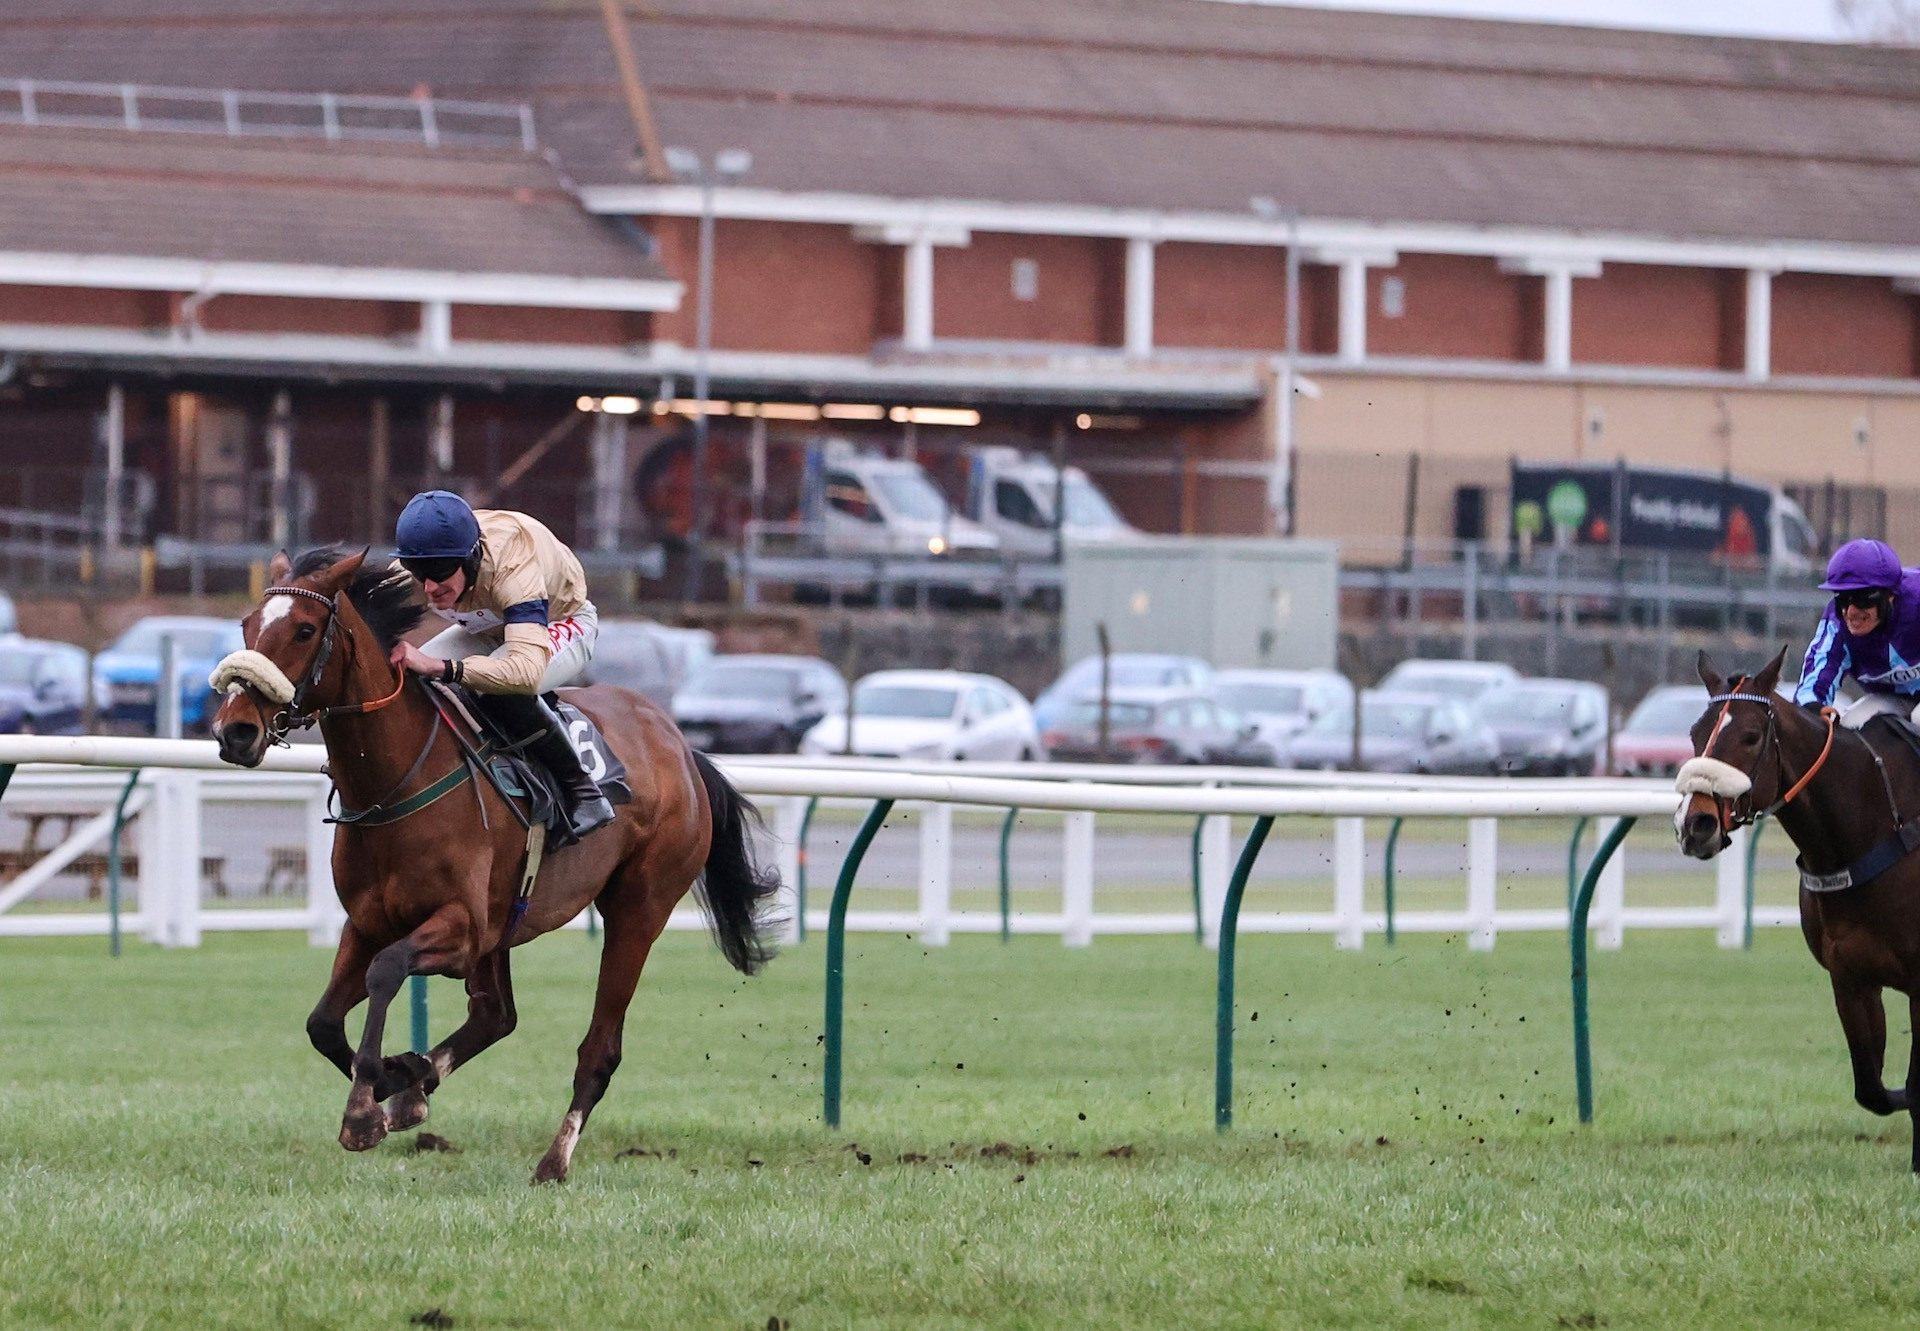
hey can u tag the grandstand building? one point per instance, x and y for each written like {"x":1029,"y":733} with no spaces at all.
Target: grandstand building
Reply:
{"x":425,"y":232}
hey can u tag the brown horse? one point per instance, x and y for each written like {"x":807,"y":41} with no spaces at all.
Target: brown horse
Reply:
{"x":432,"y":892}
{"x":1843,"y":797}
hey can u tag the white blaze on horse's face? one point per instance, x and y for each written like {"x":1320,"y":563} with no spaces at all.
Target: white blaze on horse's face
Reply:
{"x":276,"y":608}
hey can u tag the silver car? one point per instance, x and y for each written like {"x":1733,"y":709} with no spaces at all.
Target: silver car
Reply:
{"x":1399,"y":732}
{"x":1548,"y":727}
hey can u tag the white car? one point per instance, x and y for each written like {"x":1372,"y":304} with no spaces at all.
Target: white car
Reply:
{"x":1282,"y":703}
{"x":933,"y":715}
{"x":1462,"y":681}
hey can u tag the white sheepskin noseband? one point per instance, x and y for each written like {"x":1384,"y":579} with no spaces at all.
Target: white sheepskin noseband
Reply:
{"x":1710,"y":776}
{"x":246,"y":669}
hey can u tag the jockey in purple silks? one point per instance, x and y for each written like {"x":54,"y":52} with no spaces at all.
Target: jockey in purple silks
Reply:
{"x":1870,"y":631}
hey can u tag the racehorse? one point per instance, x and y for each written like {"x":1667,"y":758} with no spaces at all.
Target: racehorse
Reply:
{"x":433,"y":892}
{"x":1842,"y":795}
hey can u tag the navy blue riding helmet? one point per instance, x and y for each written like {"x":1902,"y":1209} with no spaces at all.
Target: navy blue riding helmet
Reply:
{"x":437,"y":534}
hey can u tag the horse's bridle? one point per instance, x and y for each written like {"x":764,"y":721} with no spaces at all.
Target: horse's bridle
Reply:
{"x":294,"y":713}
{"x":1733,"y":815}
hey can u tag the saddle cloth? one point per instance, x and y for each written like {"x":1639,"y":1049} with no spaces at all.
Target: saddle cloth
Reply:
{"x":518,"y":776}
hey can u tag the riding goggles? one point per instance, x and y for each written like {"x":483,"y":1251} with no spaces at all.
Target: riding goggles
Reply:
{"x":1863,"y":598}
{"x":433,"y":570}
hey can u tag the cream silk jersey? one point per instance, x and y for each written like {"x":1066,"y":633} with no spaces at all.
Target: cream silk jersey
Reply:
{"x":527,"y":580}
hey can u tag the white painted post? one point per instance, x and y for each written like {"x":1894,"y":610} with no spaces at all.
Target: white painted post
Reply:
{"x":1139,"y":297}
{"x":1730,"y":889}
{"x":436,"y":327}
{"x":936,"y":873}
{"x":917,"y":333}
{"x":1353,"y":310}
{"x":1349,"y":882}
{"x":1216,"y":870}
{"x":786,"y":848}
{"x":1610,"y":896}
{"x":1559,"y":319}
{"x":1076,"y":890}
{"x":1759,"y":323}
{"x":176,"y":877}
{"x":1483,"y":858}
{"x":149,"y":842}
{"x":325,"y":913}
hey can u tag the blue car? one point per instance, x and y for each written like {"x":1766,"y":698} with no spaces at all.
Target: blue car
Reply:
{"x":43,"y":687}
{"x":126,"y":674}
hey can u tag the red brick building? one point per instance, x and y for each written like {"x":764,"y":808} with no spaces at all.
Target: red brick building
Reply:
{"x":1512,"y":240}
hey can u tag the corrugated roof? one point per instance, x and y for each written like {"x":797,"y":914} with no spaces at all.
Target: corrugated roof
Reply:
{"x":359,"y":205}
{"x":1163,"y":104}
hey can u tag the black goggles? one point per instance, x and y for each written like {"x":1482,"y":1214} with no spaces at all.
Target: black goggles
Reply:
{"x":433,"y":570}
{"x":1864,"y":598}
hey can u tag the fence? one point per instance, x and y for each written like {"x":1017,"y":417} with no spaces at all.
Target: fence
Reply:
{"x":171,"y":777}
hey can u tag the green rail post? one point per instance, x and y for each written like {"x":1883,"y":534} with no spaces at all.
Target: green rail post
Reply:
{"x":1199,"y":826}
{"x":837,"y":953}
{"x":6,"y":777}
{"x":422,"y":1041}
{"x":1229,"y":932}
{"x":1573,"y":859}
{"x":113,"y":864}
{"x":1753,"y":850}
{"x":1393,"y":843}
{"x":1577,"y":945}
{"x":593,"y":922}
{"x":800,"y":872}
{"x":1006,"y":883}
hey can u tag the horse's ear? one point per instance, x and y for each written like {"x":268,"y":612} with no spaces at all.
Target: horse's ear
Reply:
{"x":279,"y":569}
{"x":341,"y":573}
{"x":1709,"y":676}
{"x":1764,"y":681}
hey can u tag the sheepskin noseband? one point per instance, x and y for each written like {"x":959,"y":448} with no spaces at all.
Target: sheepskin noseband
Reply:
{"x":1710,"y":776}
{"x":247,"y":668}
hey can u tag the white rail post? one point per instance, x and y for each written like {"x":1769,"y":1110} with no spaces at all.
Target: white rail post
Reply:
{"x":1483,"y":862}
{"x":1349,"y":882}
{"x":936,"y":874}
{"x":1610,"y":895}
{"x":175,"y":882}
{"x":150,"y":896}
{"x":1076,"y":888}
{"x":1216,"y":858}
{"x":786,"y":848}
{"x":325,"y":915}
{"x":1730,"y":889}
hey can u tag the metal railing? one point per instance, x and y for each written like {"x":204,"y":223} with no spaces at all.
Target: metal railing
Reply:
{"x":238,"y":113}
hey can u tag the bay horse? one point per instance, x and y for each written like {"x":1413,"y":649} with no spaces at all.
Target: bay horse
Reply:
{"x":1844,"y":796}
{"x":432,"y":892}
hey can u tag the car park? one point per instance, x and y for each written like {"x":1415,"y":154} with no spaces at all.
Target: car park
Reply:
{"x":1548,"y":727}
{"x":1281,"y":703}
{"x":128,"y":672}
{"x":1655,"y":739}
{"x":753,"y":703}
{"x":651,"y":659}
{"x":1126,"y":670}
{"x":1400,"y":732}
{"x":1463,"y":681}
{"x":935,"y":715}
{"x":1155,"y":725}
{"x":43,"y":687}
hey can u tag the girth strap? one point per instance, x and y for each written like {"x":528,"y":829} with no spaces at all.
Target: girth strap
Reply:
{"x":1869,"y":866}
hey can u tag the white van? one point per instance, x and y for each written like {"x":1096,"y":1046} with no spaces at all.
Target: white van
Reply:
{"x":864,"y":503}
{"x":1012,"y":496}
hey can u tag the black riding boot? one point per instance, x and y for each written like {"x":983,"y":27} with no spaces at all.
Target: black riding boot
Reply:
{"x":523,"y":715}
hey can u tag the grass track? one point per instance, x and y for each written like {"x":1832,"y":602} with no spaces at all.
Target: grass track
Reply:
{"x":167,"y":1154}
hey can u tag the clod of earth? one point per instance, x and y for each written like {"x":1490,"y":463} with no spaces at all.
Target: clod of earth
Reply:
{"x":433,"y":1141}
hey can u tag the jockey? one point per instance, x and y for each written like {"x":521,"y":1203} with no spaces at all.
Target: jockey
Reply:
{"x":1871,"y":629}
{"x":523,"y":626}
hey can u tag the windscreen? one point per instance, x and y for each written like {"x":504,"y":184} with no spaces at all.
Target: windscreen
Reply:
{"x":905,"y":701}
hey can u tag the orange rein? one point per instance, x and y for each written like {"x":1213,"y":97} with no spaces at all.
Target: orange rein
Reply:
{"x":401,"y":684}
{"x":1724,"y":807}
{"x":1831,"y":717}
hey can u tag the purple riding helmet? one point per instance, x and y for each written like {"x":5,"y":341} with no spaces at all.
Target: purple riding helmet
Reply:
{"x":1862,"y":564}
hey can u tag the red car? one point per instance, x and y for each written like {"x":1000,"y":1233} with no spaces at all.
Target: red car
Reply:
{"x":1654,"y":741}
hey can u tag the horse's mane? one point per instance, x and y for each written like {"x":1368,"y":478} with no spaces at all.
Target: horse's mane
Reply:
{"x":385,"y":595}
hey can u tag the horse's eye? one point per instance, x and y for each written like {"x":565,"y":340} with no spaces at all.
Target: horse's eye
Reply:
{"x":302,"y":633}
{"x":1750,"y":738}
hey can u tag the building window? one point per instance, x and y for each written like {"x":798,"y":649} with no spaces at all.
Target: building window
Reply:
{"x":1026,"y":279}
{"x":1393,"y":296}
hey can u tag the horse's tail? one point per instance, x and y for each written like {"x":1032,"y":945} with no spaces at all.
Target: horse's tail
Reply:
{"x":734,"y":883}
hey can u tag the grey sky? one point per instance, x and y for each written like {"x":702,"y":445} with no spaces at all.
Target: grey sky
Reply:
{"x":1805,"y":19}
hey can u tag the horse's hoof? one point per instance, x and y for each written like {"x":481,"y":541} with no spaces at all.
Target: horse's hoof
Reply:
{"x":363,"y":1133}
{"x":550,"y":1170}
{"x":407,"y":1110}
{"x":399,"y":1072}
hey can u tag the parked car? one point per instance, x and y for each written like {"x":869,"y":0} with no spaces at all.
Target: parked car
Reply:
{"x":1399,"y":732}
{"x":128,"y":672}
{"x":1155,"y":725}
{"x":1548,"y":727}
{"x":932,"y":714}
{"x":1655,"y":740}
{"x":652,"y":659}
{"x":1129,"y":670}
{"x":43,"y":687}
{"x":1281,"y":703}
{"x":1463,"y":681}
{"x":753,"y":703}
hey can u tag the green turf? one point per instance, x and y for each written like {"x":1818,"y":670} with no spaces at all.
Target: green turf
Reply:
{"x":1404,"y":1152}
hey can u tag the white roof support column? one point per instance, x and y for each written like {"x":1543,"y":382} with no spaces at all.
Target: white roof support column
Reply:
{"x":1139,"y":323}
{"x":436,"y":326}
{"x":1759,"y":324}
{"x":1353,"y":309}
{"x":1557,"y":309}
{"x":917,"y":326}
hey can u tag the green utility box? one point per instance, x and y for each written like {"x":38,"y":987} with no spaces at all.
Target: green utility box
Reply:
{"x":1236,"y":601}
